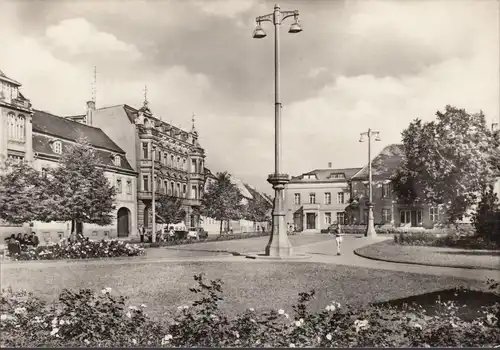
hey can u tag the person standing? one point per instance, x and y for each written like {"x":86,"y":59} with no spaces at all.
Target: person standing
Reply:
{"x":338,"y":237}
{"x":141,"y":233}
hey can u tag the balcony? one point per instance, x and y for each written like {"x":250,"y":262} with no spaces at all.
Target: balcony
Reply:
{"x":310,"y":206}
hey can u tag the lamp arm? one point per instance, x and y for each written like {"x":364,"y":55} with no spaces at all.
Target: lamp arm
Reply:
{"x":287,"y":14}
{"x":265,"y":18}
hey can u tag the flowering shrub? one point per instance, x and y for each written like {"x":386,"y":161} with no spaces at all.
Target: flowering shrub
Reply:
{"x":226,"y":237}
{"x":448,"y":240}
{"x":81,"y":250}
{"x":102,"y":319}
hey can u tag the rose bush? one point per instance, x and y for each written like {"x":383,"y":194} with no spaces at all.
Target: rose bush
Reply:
{"x":94,"y":319}
{"x":81,"y":250}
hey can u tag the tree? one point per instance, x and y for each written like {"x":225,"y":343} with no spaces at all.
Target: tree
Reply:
{"x":222,"y":200}
{"x":448,"y":161}
{"x":486,"y":219}
{"x":79,"y":187}
{"x":257,"y":209}
{"x":23,"y":193}
{"x":169,"y":209}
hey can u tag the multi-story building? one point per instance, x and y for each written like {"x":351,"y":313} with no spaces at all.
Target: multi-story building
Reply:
{"x":52,"y":135}
{"x":317,"y":199}
{"x":387,"y":209}
{"x":15,"y":121}
{"x":149,"y":143}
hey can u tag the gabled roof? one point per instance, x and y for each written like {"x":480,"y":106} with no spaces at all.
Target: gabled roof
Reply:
{"x":42,"y":145}
{"x":384,"y":164}
{"x":47,"y":123}
{"x":326,"y":175}
{"x":6,"y":78}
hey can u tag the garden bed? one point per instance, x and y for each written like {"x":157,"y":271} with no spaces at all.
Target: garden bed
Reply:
{"x":102,"y":317}
{"x":431,"y":256}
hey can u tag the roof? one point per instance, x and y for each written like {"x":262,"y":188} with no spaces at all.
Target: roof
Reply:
{"x":6,"y":78}
{"x":384,"y":164}
{"x":47,"y":123}
{"x":326,"y":175}
{"x":41,"y":145}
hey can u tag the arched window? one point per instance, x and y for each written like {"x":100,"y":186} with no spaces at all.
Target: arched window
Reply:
{"x":57,"y":147}
{"x":11,"y":121}
{"x":21,"y":122}
{"x":118,"y":160}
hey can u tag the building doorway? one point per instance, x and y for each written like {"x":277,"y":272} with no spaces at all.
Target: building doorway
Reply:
{"x":123,"y":218}
{"x":146,"y":217}
{"x":311,"y":221}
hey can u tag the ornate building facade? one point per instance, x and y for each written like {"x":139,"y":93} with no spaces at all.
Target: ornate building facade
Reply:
{"x":161,"y":153}
{"x":15,"y":121}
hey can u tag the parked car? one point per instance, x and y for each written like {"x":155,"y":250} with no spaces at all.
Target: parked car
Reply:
{"x":197,"y":233}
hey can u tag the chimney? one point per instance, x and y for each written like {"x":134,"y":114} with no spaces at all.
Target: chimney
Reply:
{"x":90,"y":112}
{"x":329,"y":164}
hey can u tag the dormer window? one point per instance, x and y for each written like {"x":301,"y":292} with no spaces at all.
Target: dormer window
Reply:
{"x":337,"y":176}
{"x":310,"y":177}
{"x":117,"y":160}
{"x":57,"y":147}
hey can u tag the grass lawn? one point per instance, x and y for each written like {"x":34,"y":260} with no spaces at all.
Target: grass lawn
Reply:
{"x":436,"y":256}
{"x":258,"y":284}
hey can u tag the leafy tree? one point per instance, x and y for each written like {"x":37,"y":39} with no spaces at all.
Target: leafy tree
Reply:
{"x":222,"y":200}
{"x":169,"y":208}
{"x":448,"y":161}
{"x":23,"y":196}
{"x":257,"y":209}
{"x":486,"y":219}
{"x":80,"y":188}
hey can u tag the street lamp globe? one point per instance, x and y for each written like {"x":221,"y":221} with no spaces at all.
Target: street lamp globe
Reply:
{"x":259,"y":33}
{"x":377,"y":138}
{"x":295,"y":28}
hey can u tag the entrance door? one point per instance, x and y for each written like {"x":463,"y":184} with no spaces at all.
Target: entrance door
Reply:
{"x":311,"y":221}
{"x":413,"y":218}
{"x":123,"y":222}
{"x":297,"y":221}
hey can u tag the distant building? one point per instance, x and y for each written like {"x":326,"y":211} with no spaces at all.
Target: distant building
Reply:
{"x":178,"y":157}
{"x":317,"y":199}
{"x":52,"y":135}
{"x":15,"y":121}
{"x":387,"y":209}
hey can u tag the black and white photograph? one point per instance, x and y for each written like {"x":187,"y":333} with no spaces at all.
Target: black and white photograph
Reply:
{"x":247,"y":173}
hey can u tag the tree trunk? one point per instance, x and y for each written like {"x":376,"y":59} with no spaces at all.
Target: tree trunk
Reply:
{"x":220,"y":230}
{"x":73,"y":227}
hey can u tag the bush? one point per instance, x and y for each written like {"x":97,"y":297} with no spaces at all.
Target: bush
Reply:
{"x":81,"y":250}
{"x":102,"y":319}
{"x":486,"y":219}
{"x":449,"y":240}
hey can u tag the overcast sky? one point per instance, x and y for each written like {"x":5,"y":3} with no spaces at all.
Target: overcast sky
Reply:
{"x":356,"y":65}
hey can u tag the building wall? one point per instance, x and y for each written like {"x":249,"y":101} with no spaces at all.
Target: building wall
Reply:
{"x":297,"y":213}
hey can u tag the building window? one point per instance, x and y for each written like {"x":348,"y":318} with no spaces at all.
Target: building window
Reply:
{"x":328,"y":218}
{"x":386,"y":216}
{"x":296,"y":198}
{"x":179,"y":164}
{"x":117,"y":161}
{"x":172,"y":160}
{"x":340,"y":198}
{"x":419,"y":217}
{"x":312,"y":198}
{"x":118,"y":185}
{"x":194,"y":192}
{"x":386,"y":190}
{"x":145,"y":182}
{"x":15,"y":158}
{"x":57,"y":147}
{"x":405,"y":217}
{"x":367,"y":190}
{"x":193,"y":166}
{"x":340,"y":218}
{"x":16,"y":127}
{"x":184,"y":190}
{"x":145,"y":150}
{"x":434,"y":214}
{"x":328,"y":198}
{"x":129,"y":187}
{"x":157,"y":155}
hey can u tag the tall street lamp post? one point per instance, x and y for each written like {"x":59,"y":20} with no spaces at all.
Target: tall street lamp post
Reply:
{"x":279,"y":245}
{"x":370,"y":136}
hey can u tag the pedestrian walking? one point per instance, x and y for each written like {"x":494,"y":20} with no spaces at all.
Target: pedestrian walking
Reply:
{"x":338,"y":237}
{"x":142,"y":231}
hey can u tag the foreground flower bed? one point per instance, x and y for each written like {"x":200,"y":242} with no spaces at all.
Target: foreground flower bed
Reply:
{"x":101,"y":319}
{"x":81,"y":250}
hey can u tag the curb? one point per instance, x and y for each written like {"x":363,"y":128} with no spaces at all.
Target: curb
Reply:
{"x":467,"y":267}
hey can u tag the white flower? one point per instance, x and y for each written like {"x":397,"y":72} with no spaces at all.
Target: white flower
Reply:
{"x":166,"y":339}
{"x":361,"y":324}
{"x":329,"y":336}
{"x":185,"y":307}
{"x":281,"y":311}
{"x":257,"y":342}
{"x":132,"y":307}
{"x":86,"y":341}
{"x":129,"y":315}
{"x":298,"y":324}
{"x":251,"y":309}
{"x":144,"y":306}
{"x":417,"y":325}
{"x":318,"y":339}
{"x":292,"y":345}
{"x":134,"y":341}
{"x":179,"y":308}
{"x":20,"y":310}
{"x":61,"y":322}
{"x":54,"y":331}
{"x":491,"y":319}
{"x":330,"y":308}
{"x":106,"y":290}
{"x":301,"y":321}
{"x":54,"y":321}
{"x":286,"y":315}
